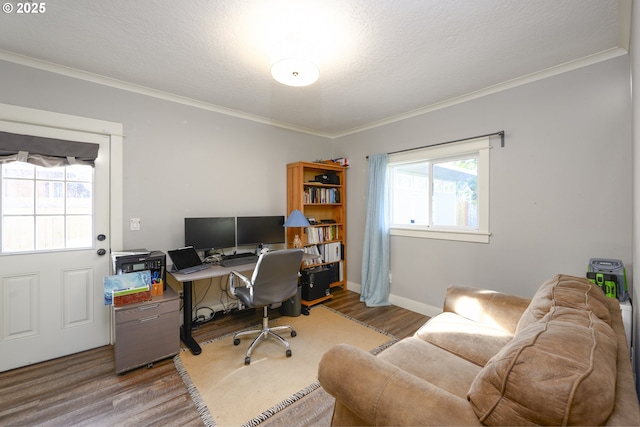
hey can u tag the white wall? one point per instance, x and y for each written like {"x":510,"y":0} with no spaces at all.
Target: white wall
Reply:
{"x":635,"y":73}
{"x":561,"y":188}
{"x":179,"y":161}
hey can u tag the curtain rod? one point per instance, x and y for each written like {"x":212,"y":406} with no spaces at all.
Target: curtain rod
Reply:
{"x":501,"y":133}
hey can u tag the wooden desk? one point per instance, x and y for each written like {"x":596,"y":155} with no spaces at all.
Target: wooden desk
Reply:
{"x":187,"y":285}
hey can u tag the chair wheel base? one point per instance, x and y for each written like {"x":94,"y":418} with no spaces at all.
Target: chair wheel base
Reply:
{"x":236,"y":341}
{"x":293,"y":333}
{"x":288,"y":353}
{"x":247,"y":360}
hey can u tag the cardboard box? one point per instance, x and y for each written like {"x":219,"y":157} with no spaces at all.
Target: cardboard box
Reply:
{"x":131,"y":298}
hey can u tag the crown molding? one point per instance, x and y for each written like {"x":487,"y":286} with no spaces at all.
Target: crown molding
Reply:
{"x":143,"y":90}
{"x":519,"y":81}
{"x":120,"y":84}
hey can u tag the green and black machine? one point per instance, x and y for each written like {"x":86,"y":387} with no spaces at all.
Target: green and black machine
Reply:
{"x":610,"y":276}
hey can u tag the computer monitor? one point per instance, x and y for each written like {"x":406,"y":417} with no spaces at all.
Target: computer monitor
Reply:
{"x":257,"y":230}
{"x":205,"y":234}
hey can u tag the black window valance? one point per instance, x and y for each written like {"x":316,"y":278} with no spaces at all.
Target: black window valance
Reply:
{"x":47,"y":152}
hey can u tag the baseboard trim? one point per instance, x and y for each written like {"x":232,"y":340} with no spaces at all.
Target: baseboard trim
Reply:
{"x":418,"y":307}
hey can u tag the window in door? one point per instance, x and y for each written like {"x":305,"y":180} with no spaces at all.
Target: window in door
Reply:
{"x":46,"y":209}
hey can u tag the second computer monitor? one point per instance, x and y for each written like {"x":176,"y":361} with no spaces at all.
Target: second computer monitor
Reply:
{"x":256,"y":230}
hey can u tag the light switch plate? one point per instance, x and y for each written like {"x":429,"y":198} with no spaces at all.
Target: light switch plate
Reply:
{"x":134,"y":224}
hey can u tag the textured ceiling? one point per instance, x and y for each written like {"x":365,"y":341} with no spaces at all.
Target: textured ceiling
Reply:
{"x":379,"y":60}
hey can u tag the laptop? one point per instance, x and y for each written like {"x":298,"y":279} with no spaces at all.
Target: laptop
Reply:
{"x":186,"y":260}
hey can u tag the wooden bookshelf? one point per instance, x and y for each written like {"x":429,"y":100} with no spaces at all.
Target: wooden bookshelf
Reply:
{"x":326,"y":204}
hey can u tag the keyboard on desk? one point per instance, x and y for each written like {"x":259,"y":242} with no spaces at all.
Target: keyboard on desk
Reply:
{"x":238,"y":259}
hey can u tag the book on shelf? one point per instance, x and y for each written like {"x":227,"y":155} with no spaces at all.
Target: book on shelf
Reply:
{"x":322,"y":233}
{"x":328,"y":252}
{"x":313,"y":250}
{"x":321,"y":195}
{"x":331,"y":252}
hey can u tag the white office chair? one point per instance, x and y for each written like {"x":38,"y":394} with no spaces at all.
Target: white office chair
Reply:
{"x":275,"y":279}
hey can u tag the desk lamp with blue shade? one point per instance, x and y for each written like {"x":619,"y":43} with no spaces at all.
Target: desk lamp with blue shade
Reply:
{"x":296,"y":219}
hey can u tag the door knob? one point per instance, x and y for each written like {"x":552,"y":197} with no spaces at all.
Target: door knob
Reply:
{"x":101,"y":252}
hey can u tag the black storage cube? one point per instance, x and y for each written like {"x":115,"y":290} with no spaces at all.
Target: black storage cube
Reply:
{"x":315,"y":283}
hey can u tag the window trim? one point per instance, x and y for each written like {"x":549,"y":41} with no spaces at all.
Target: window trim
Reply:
{"x":10,"y":115}
{"x":479,"y":146}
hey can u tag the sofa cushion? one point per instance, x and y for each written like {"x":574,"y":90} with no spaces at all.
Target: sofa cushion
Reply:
{"x":565,"y":291}
{"x":428,"y":363}
{"x":463,"y":337}
{"x":490,"y":308}
{"x":559,"y":370}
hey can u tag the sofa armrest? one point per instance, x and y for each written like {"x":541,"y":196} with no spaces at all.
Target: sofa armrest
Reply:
{"x":491,"y":308}
{"x":380,"y":393}
{"x":626,"y":411}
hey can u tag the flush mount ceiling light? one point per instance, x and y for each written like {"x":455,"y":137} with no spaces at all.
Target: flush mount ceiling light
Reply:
{"x":292,"y":65}
{"x":295,"y":72}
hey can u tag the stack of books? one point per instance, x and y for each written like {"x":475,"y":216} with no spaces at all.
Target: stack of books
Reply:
{"x":320,"y":234}
{"x":331,"y":252}
{"x":321,"y":195}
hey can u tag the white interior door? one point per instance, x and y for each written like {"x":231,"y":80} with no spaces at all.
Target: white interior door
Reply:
{"x":52,"y":301}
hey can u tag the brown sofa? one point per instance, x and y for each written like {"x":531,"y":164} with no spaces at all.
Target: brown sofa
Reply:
{"x":490,"y":358}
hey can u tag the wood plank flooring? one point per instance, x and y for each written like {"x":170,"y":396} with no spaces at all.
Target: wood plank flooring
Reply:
{"x":83,"y":389}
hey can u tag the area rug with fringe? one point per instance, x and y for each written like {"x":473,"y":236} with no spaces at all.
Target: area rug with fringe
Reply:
{"x":227,"y":392}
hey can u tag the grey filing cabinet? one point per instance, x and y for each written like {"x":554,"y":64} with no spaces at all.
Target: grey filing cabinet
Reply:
{"x":147,"y":332}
